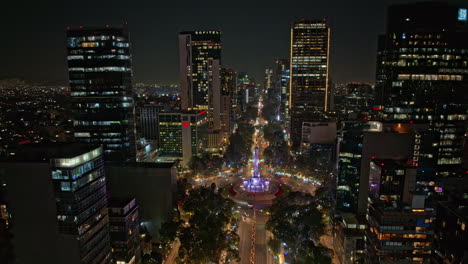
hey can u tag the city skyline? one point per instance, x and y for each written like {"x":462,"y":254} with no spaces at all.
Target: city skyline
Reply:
{"x":275,"y":146}
{"x":260,"y":31}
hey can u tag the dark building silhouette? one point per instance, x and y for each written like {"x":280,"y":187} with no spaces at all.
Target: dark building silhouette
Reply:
{"x":451,"y":229}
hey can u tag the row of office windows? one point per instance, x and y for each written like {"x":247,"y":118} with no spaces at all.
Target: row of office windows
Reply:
{"x":100,"y":69}
{"x":101,"y":57}
{"x":79,"y":43}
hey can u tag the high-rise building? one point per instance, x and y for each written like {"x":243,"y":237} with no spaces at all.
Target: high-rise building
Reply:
{"x":228,"y":100}
{"x":247,"y":90}
{"x":199,"y":62}
{"x":400,"y":228}
{"x":349,"y":238}
{"x":182,"y":135}
{"x":360,"y":142}
{"x":355,"y":101}
{"x":422,"y":74}
{"x":100,"y":76}
{"x":451,"y":229}
{"x":309,"y":73}
{"x":422,"y":57}
{"x":61,"y":215}
{"x":319,"y":143}
{"x":272,"y":96}
{"x":149,"y":121}
{"x":124,"y":229}
{"x":269,"y":84}
{"x":154,"y":187}
{"x":281,"y":78}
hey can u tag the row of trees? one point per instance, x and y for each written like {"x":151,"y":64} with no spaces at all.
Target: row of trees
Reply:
{"x":296,"y":221}
{"x":207,"y":230}
{"x":238,"y":151}
{"x":277,"y":154}
{"x":206,"y":164}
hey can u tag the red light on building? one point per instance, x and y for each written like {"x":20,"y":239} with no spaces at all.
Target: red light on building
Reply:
{"x":382,"y":164}
{"x":202,"y":112}
{"x":411,"y":122}
{"x":68,"y":28}
{"x":186,"y":124}
{"x":81,"y":26}
{"x":24,"y":142}
{"x":372,"y":157}
{"x":365,"y":118}
{"x":376,"y":108}
{"x":107,"y":26}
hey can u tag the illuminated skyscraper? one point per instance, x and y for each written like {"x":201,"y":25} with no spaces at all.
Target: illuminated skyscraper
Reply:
{"x":64,"y":203}
{"x":199,"y":62}
{"x":423,"y":57}
{"x":422,"y":74}
{"x":100,"y":74}
{"x":309,"y":59}
{"x":182,"y":134}
{"x":228,"y":99}
{"x":281,"y":75}
{"x":400,"y":228}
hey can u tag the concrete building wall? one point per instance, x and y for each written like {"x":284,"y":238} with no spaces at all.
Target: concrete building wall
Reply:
{"x":381,"y":145}
{"x":34,"y":226}
{"x":154,"y":187}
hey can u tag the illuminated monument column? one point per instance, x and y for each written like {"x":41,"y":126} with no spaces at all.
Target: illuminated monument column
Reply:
{"x":256,"y":183}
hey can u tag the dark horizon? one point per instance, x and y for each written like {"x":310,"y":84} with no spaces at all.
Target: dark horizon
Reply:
{"x":253,"y":35}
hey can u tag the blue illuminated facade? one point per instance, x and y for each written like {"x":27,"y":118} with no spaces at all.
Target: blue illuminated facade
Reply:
{"x":100,"y":73}
{"x":462,"y":14}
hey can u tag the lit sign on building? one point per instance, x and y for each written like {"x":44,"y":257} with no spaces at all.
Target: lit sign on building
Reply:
{"x":462,"y":14}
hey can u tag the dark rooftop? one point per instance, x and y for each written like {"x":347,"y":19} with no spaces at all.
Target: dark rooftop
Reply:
{"x":119,"y":202}
{"x":45,"y":152}
{"x":141,"y":164}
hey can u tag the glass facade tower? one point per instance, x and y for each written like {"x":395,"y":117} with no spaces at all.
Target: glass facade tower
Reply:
{"x":99,"y":65}
{"x":422,"y":75}
{"x":79,"y":183}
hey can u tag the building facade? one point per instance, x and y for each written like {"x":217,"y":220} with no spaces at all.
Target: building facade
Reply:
{"x":183,"y":134}
{"x":247,"y":90}
{"x":451,"y":230}
{"x":360,"y":142}
{"x":422,"y":61}
{"x":196,"y":50}
{"x":67,"y":196}
{"x":422,"y":74}
{"x":100,"y":77}
{"x":124,"y":229}
{"x":229,"y":107}
{"x":309,"y":73}
{"x":400,"y":222}
{"x":200,"y":82}
{"x":281,"y":83}
{"x":149,"y":121}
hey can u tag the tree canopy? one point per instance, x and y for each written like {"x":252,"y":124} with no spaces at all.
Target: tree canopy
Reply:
{"x":296,"y":221}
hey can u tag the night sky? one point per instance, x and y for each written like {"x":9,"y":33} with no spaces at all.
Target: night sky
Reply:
{"x":254,"y":34}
